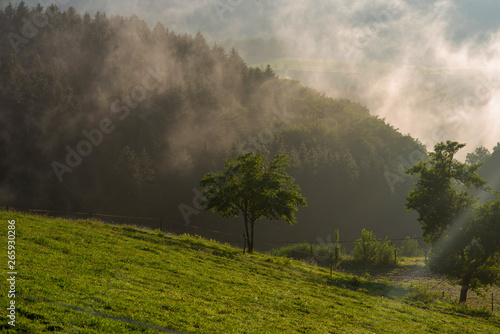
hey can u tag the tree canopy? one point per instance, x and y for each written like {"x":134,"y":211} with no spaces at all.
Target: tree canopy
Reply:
{"x":442,"y":189}
{"x":255,"y":189}
{"x":459,"y":229}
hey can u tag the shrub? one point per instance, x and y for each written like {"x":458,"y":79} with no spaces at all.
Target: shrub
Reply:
{"x":369,"y":250}
{"x":385,"y":252}
{"x":410,"y":248}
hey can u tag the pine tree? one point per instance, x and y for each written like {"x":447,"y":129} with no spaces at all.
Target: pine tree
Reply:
{"x":10,"y":12}
{"x":22,"y":14}
{"x":159,"y":33}
{"x":269,"y":73}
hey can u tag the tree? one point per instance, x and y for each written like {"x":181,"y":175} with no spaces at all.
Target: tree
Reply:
{"x":255,"y":189}
{"x":269,"y":73}
{"x":10,"y":11}
{"x":462,"y":233}
{"x":479,"y":156}
{"x":410,"y":248}
{"x":441,"y":195}
{"x":22,"y":12}
{"x":471,"y":256}
{"x":237,"y":64}
{"x":136,"y":169}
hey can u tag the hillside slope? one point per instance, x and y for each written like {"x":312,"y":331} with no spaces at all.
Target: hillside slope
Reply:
{"x":89,"y":277}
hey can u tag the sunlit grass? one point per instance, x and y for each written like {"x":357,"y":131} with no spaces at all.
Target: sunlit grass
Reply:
{"x":89,"y":277}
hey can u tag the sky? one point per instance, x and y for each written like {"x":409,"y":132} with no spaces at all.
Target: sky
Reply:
{"x":443,"y":56}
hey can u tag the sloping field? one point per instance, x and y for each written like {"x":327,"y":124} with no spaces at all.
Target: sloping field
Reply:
{"x":90,"y":277}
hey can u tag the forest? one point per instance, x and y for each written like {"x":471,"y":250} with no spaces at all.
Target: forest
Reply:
{"x":105,"y":114}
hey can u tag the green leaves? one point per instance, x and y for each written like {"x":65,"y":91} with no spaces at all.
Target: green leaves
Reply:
{"x":370,"y":250}
{"x":257,"y":189}
{"x":464,"y":236}
{"x":436,"y":198}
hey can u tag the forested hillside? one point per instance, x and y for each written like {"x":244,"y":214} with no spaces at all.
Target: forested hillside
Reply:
{"x":105,"y":114}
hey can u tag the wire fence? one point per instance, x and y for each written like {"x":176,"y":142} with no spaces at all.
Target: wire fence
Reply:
{"x":237,"y":240}
{"x":161,"y":223}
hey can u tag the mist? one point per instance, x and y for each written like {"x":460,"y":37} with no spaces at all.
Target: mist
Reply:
{"x":429,"y":69}
{"x":436,"y":61}
{"x":288,"y":112}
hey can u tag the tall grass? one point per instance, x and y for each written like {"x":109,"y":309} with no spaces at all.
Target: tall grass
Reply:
{"x":321,"y":254}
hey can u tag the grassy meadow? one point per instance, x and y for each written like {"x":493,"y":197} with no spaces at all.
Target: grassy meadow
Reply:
{"x":89,"y":277}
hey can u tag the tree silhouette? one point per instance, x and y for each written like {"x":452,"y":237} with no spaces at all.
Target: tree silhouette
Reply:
{"x":255,"y":189}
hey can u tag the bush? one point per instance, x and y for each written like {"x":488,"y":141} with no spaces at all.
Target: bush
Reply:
{"x":410,"y":248}
{"x":385,"y":252}
{"x":369,"y":250}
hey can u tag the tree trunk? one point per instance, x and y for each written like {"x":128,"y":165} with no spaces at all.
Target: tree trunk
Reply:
{"x":250,"y":247}
{"x":464,"y":290}
{"x":463,"y":294}
{"x":247,"y":236}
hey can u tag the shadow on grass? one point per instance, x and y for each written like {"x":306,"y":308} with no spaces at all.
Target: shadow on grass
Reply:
{"x":484,"y":312}
{"x":377,"y":288}
{"x":211,"y":246}
{"x":354,"y":267}
{"x":184,"y":241}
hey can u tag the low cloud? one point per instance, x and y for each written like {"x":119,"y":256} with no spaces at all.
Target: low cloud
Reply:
{"x":428,"y":67}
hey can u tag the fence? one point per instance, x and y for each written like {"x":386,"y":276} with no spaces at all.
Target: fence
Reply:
{"x":161,"y":223}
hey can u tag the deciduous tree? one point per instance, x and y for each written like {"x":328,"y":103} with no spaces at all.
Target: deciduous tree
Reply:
{"x":463,"y":234}
{"x":257,"y":190}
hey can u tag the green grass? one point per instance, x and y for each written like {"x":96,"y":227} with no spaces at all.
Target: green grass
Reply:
{"x":89,"y":277}
{"x":408,"y":271}
{"x":413,"y":270}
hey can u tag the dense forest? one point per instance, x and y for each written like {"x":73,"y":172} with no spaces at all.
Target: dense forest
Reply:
{"x":106,"y":114}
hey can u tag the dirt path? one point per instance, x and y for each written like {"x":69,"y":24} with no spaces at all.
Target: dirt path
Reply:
{"x":418,"y":273}
{"x":413,"y":270}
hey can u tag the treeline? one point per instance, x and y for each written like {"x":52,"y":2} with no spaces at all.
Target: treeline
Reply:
{"x":104,"y":113}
